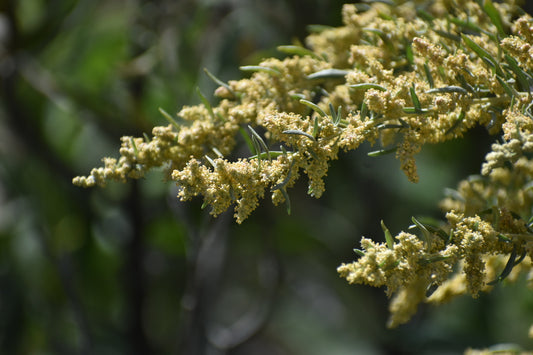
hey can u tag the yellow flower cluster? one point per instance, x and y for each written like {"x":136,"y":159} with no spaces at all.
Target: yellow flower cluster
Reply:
{"x":399,"y":76}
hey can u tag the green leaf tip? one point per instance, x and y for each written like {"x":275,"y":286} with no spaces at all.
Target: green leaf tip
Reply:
{"x":367,"y":86}
{"x":388,"y":236}
{"x":328,"y":74}
{"x":314,"y":107}
{"x":300,"y":51}
{"x":258,"y":68}
{"x":169,"y":118}
{"x":298,"y":132}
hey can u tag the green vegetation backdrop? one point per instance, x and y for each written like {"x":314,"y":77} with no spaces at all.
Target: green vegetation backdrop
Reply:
{"x":131,"y":270}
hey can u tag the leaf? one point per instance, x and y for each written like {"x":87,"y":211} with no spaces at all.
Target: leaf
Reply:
{"x":414,"y":110}
{"x":388,"y":236}
{"x":298,"y":132}
{"x":414,"y":98}
{"x":206,"y":103}
{"x":359,"y":252}
{"x":170,"y":119}
{"x":258,"y":68}
{"x":300,"y":51}
{"x":448,"y":89}
{"x":448,"y":35}
{"x":366,"y":86}
{"x":247,"y":139}
{"x":220,"y":82}
{"x":211,"y":161}
{"x":217,"y":152}
{"x":428,"y":75}
{"x":524,"y":78}
{"x":483,"y":54}
{"x":509,"y":90}
{"x":424,"y":15}
{"x":328,"y":74}
{"x":378,"y":153}
{"x":273,"y":154}
{"x":508,"y":267}
{"x":425,"y":260}
{"x":335,"y":115}
{"x":426,"y":235}
{"x":409,"y":53}
{"x":260,"y":141}
{"x":135,"y":150}
{"x":314,"y":107}
{"x":364,"y":111}
{"x":285,"y":181}
{"x":316,"y":128}
{"x":318,"y":28}
{"x":495,"y":17}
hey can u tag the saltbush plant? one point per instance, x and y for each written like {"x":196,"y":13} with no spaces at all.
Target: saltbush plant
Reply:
{"x":399,"y":75}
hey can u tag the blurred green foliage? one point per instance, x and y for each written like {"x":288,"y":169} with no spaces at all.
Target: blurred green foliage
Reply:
{"x":130,"y":269}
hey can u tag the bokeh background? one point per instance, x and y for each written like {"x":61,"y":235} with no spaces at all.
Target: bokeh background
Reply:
{"x":131,"y":270}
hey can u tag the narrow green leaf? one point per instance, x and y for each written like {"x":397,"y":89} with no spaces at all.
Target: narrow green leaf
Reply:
{"x":285,"y":181}
{"x":428,"y":75}
{"x":206,"y":103}
{"x":448,"y":89}
{"x":169,"y":118}
{"x":297,"y":96}
{"x":378,"y":153}
{"x":264,"y":155}
{"x":409,"y":53}
{"x":359,"y":252}
{"x":366,"y":86}
{"x":503,"y":238}
{"x":258,"y":68}
{"x":507,"y":269}
{"x":318,"y":28}
{"x":461,"y":79}
{"x":335,"y":115}
{"x":425,"y":260}
{"x":424,"y":15}
{"x":301,"y":133}
{"x":135,"y":150}
{"x":426,"y":235}
{"x":364,"y":111}
{"x":483,"y":54}
{"x":386,"y":2}
{"x":211,"y":161}
{"x":247,"y":139}
{"x":146,"y":138}
{"x":314,"y":107}
{"x":414,"y":110}
{"x":524,"y":78}
{"x":328,"y":74}
{"x":467,"y":25}
{"x":388,"y":236}
{"x":220,"y":82}
{"x":332,"y":112}
{"x":260,"y":141}
{"x":414,"y":98}
{"x":300,"y":51}
{"x":509,"y":90}
{"x":448,"y":35}
{"x":494,"y":16}
{"x":316,"y":128}
{"x":217,"y":152}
